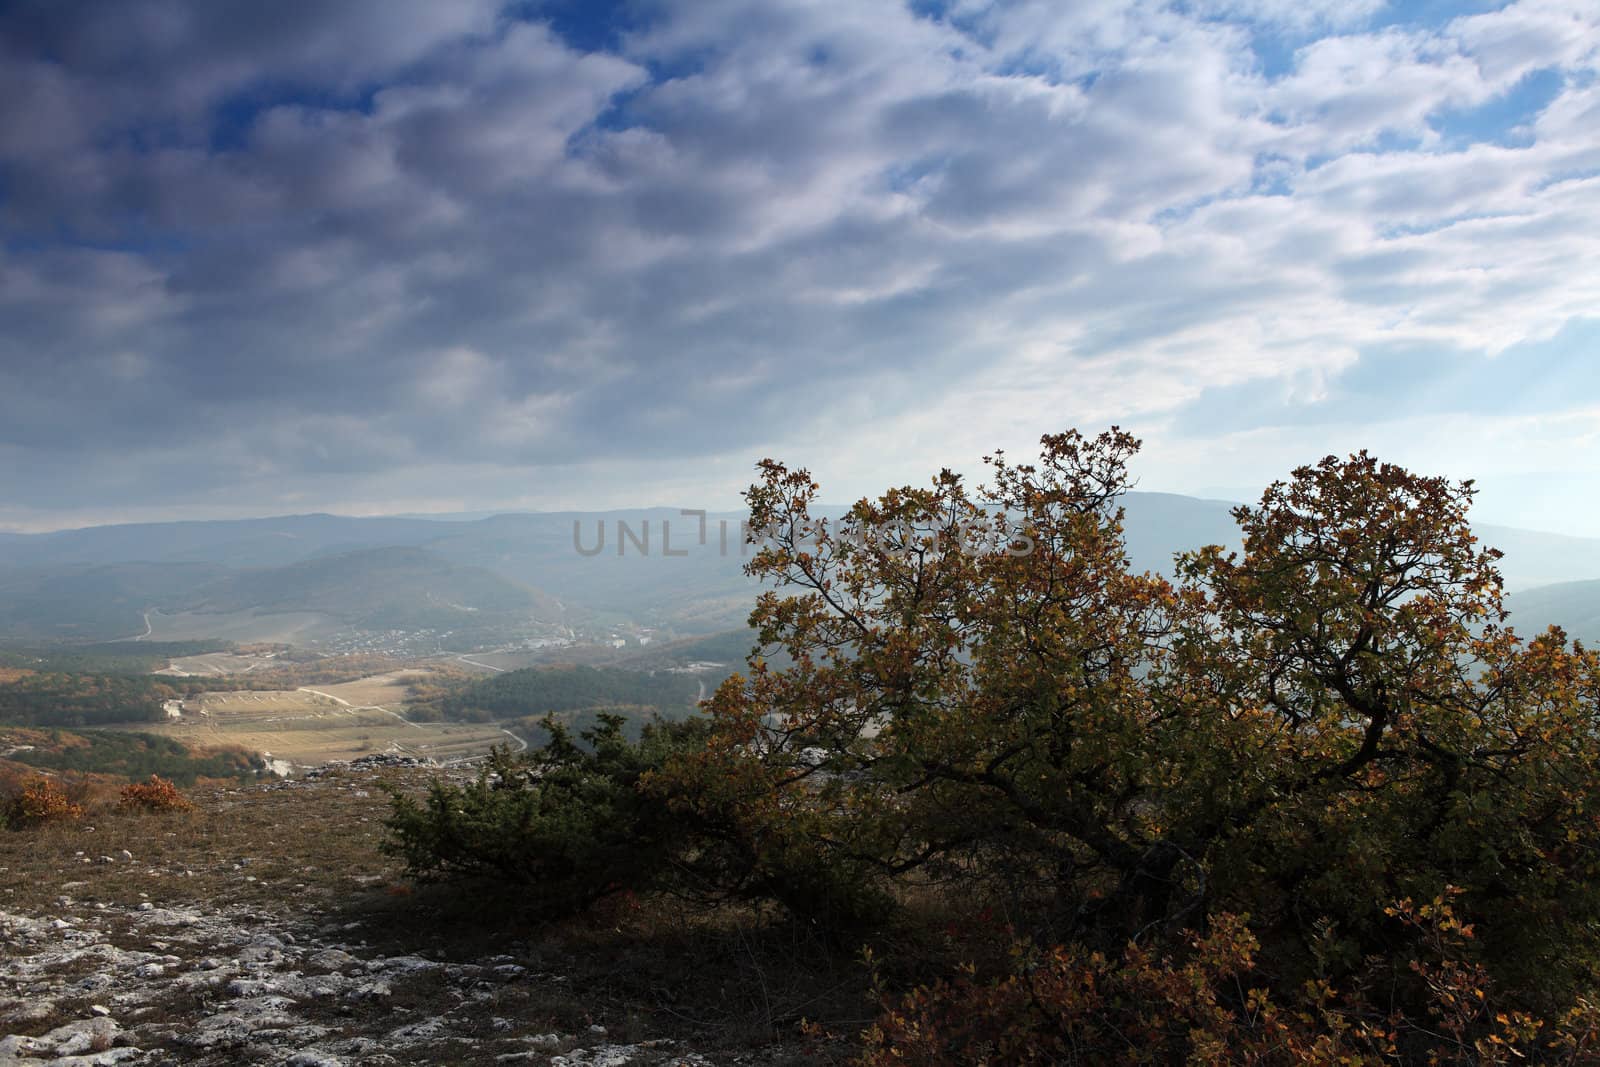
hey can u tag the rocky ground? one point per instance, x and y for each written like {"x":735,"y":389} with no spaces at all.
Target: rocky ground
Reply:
{"x":266,"y":928}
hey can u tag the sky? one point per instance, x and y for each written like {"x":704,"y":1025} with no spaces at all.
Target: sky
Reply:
{"x":384,"y":256}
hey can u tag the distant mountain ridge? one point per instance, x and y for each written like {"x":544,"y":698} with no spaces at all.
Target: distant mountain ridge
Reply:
{"x":232,"y":542}
{"x":89,"y":582}
{"x":1573,"y":606}
{"x":393,"y":587}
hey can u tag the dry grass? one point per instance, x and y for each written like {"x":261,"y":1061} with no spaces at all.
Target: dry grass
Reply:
{"x":388,"y":690}
{"x":255,"y":844}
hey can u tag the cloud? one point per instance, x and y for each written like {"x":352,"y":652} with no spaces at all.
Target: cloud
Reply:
{"x":345,"y":252}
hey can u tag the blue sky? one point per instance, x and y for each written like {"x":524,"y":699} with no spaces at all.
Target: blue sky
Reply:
{"x":402,"y":256}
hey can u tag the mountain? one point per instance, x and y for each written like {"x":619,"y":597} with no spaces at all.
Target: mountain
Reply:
{"x":575,"y":556}
{"x":1573,"y":606}
{"x":381,"y":588}
{"x":1160,"y":525}
{"x":100,"y":602}
{"x":1533,"y":558}
{"x":55,"y":583}
{"x":231,"y":542}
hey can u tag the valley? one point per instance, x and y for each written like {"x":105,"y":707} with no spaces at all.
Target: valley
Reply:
{"x":315,"y":639}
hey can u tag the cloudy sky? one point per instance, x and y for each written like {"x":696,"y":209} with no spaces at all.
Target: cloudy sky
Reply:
{"x":404,"y":255}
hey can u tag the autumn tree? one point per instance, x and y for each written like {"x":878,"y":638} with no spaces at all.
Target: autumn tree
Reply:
{"x":1222,"y":790}
{"x":1330,"y":719}
{"x":965,"y":689}
{"x":1369,"y":730}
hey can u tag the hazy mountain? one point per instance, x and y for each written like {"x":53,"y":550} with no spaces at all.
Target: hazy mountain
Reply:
{"x":1533,"y":558}
{"x":233,"y":542}
{"x":383,"y":588}
{"x":1159,"y":525}
{"x":93,"y":602}
{"x":704,"y":587}
{"x":1573,"y":606}
{"x":339,"y":565}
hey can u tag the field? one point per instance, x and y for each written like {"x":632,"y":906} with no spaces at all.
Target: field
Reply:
{"x":213,"y":664}
{"x":306,"y":727}
{"x":379,"y":689}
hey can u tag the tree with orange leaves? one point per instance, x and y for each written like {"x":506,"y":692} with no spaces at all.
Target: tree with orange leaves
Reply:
{"x":1329,"y":720}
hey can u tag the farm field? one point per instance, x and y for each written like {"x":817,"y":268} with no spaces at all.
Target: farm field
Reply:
{"x":215,"y":664}
{"x":307,"y":727}
{"x":385,"y":689}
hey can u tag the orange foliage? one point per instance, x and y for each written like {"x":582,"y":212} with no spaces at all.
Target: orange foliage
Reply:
{"x":157,"y":794}
{"x":39,"y":801}
{"x":1067,"y":1005}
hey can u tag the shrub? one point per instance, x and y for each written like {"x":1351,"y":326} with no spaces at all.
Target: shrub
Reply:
{"x":38,"y":801}
{"x":157,"y":794}
{"x":566,"y":818}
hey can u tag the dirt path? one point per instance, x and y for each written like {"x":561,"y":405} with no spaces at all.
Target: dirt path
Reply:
{"x":147,"y":630}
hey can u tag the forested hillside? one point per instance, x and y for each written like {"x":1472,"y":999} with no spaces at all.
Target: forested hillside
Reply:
{"x":124,"y":755}
{"x":52,"y":698}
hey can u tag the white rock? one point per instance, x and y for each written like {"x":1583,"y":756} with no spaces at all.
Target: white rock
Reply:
{"x":75,"y":1038}
{"x":312,"y":1058}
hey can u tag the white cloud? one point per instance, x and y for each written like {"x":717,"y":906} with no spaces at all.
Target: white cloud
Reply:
{"x":1530,"y":35}
{"x":759,"y":224}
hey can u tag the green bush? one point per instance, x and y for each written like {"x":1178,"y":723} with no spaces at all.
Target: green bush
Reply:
{"x":566,"y":818}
